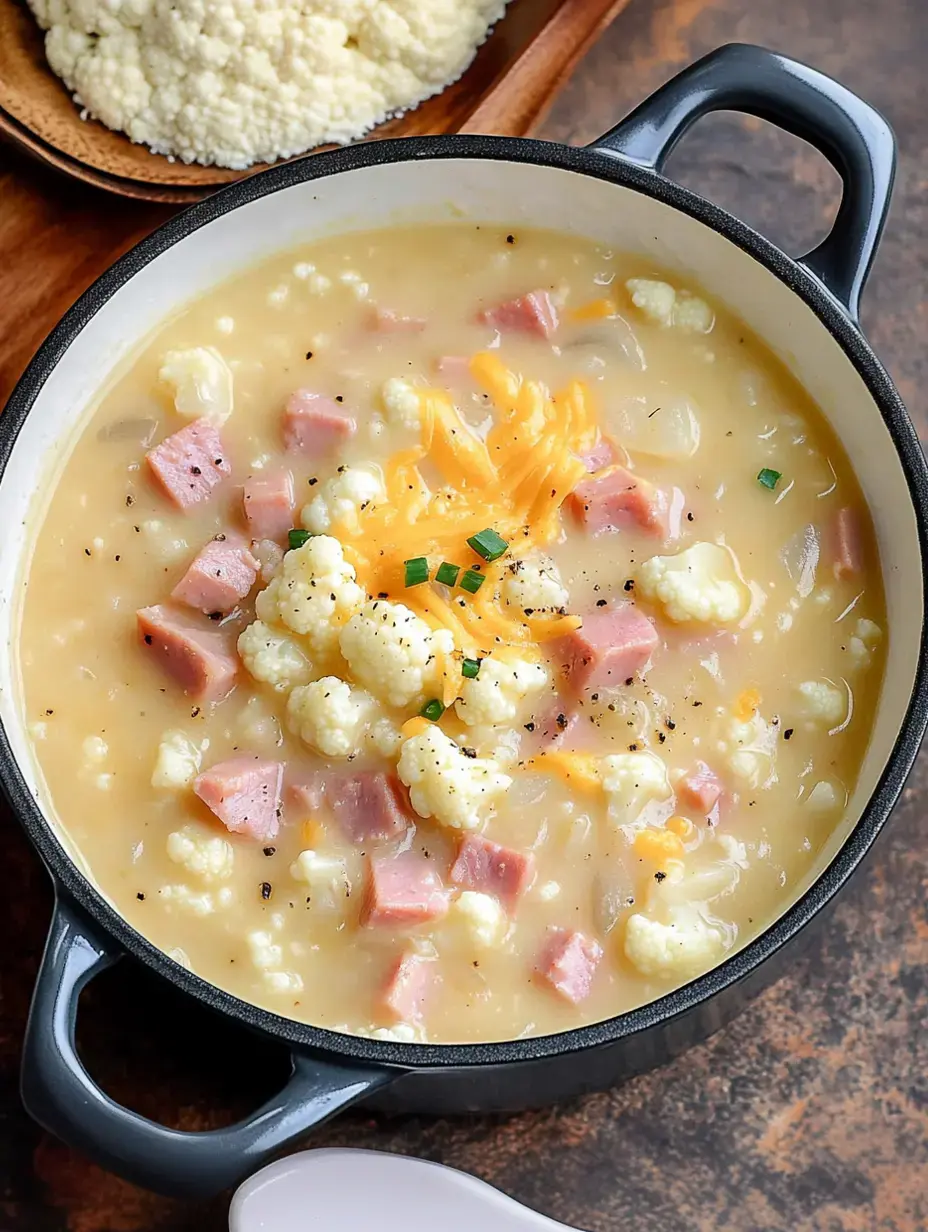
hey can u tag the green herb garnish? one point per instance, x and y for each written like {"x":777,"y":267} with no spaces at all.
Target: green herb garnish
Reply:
{"x":488,"y":544}
{"x":447,"y":574}
{"x":768,"y":478}
{"x":472,"y":581}
{"x":296,"y":538}
{"x":470,"y":668}
{"x":417,"y":570}
{"x":432,"y":710}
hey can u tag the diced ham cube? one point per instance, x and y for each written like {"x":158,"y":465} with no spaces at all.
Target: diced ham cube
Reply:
{"x":198,"y":656}
{"x":222,"y":573}
{"x":244,"y":793}
{"x":489,"y":868}
{"x":387,"y":321}
{"x":569,"y":962}
{"x":700,"y":788}
{"x":268,"y":504}
{"x":308,"y":794}
{"x":403,"y":888}
{"x":369,"y":805}
{"x":409,"y":983}
{"x":189,"y":464}
{"x":534,"y":313}
{"x":314,"y":424}
{"x":609,"y":648}
{"x":454,"y":370}
{"x":614,"y":499}
{"x":603,"y":454}
{"x":848,"y":547}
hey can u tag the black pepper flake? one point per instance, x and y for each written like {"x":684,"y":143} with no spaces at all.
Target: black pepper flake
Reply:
{"x":630,"y":681}
{"x":195,"y":470}
{"x":148,"y":639}
{"x":265,"y":890}
{"x":140,"y":896}
{"x":339,"y":398}
{"x":697,"y":703}
{"x":468,"y":751}
{"x":529,"y":727}
{"x":629,"y":584}
{"x":669,"y":724}
{"x":269,"y":851}
{"x":689,"y":517}
{"x":659,"y":877}
{"x":382,"y":594}
{"x":49,"y":712}
{"x":601,"y":602}
{"x":633,"y":748}
{"x":309,"y":354}
{"x":194,"y":712}
{"x":788,"y":733}
{"x":130,"y":500}
{"x":312,"y":482}
{"x":561,"y":721}
{"x":86,"y":551}
{"x":510,"y":239}
{"x":661,"y":737}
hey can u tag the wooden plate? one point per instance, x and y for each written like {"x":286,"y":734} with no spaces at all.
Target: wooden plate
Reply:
{"x":513,"y":78}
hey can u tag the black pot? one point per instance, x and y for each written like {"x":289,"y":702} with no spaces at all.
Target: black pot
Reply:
{"x":614,"y":189}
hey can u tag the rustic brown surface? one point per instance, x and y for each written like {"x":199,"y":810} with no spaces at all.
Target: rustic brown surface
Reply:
{"x":510,"y":83}
{"x":810,"y":1113}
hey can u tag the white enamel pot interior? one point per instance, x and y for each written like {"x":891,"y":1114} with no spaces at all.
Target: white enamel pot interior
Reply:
{"x":610,"y":194}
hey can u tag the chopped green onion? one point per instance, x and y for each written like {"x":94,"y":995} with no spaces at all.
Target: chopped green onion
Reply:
{"x":296,"y":538}
{"x":447,"y":574}
{"x":472,"y":581}
{"x":432,"y":710}
{"x":417,"y":570}
{"x":470,"y":668}
{"x":768,"y":478}
{"x":488,"y":544}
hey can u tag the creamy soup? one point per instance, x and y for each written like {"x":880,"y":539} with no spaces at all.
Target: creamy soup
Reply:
{"x":446,"y":634}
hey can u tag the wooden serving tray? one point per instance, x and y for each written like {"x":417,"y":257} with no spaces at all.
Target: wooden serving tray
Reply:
{"x":507,"y":89}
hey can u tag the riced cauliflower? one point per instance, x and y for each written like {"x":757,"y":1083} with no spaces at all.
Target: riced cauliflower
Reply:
{"x":206,"y":856}
{"x":482,"y":918}
{"x":330,"y":715}
{"x":444,"y":783}
{"x":239,"y":83}
{"x":533,"y":585}
{"x":822,"y":702}
{"x":313,"y":594}
{"x":272,"y":657}
{"x":496,"y":696}
{"x":864,"y":640}
{"x":178,"y":761}
{"x":698,"y":584}
{"x":342,"y":498}
{"x":683,"y":946}
{"x":392,"y":652}
{"x":401,"y":402}
{"x":750,"y":749}
{"x":659,"y":302}
{"x":631,"y":781}
{"x":202,"y":383}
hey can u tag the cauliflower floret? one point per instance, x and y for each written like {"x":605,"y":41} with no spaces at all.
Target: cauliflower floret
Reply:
{"x":683,"y":947}
{"x":95,"y":749}
{"x":384,"y":737}
{"x":206,"y":856}
{"x":659,"y":302}
{"x":631,"y":781}
{"x":392,"y":652}
{"x":401,"y":1033}
{"x":822,"y":702}
{"x":283,"y":981}
{"x":697,"y":584}
{"x":446,"y":784}
{"x":330,"y":715}
{"x":533,"y":585}
{"x":314,"y":593}
{"x":178,"y":761}
{"x":326,"y":876}
{"x":266,"y":954}
{"x":860,"y":646}
{"x":495,"y":696}
{"x":203,"y":902}
{"x":401,"y":402}
{"x":750,"y":748}
{"x":482,"y":916}
{"x":272,"y":657}
{"x":202,"y":382}
{"x":342,"y":498}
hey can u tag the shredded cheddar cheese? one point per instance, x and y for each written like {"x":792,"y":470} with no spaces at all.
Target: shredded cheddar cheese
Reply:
{"x":594,"y":310}
{"x":579,"y":770}
{"x":746,"y":705}
{"x":681,"y":826}
{"x":658,"y":845}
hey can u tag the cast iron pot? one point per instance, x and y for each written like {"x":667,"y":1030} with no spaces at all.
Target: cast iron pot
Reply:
{"x":613,"y":191}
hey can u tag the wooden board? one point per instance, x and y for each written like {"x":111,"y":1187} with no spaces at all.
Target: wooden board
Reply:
{"x":512,"y":80}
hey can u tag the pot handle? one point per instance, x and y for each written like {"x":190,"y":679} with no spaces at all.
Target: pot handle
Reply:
{"x":852,"y":135}
{"x":59,"y":1093}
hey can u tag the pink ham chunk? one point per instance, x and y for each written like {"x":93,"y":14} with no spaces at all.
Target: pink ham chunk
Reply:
{"x":268,"y":504}
{"x":603,"y":454}
{"x":314,"y":424}
{"x":387,"y":321}
{"x":244,"y":793}
{"x":700,"y":788}
{"x":409,"y":984}
{"x":610,"y":647}
{"x":568,"y":964}
{"x":489,"y":868}
{"x":198,"y":656}
{"x":189,"y":464}
{"x":403,"y":889}
{"x":367,"y":805}
{"x":222,"y":573}
{"x":534,"y":313}
{"x":614,"y":499}
{"x":848,"y":549}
